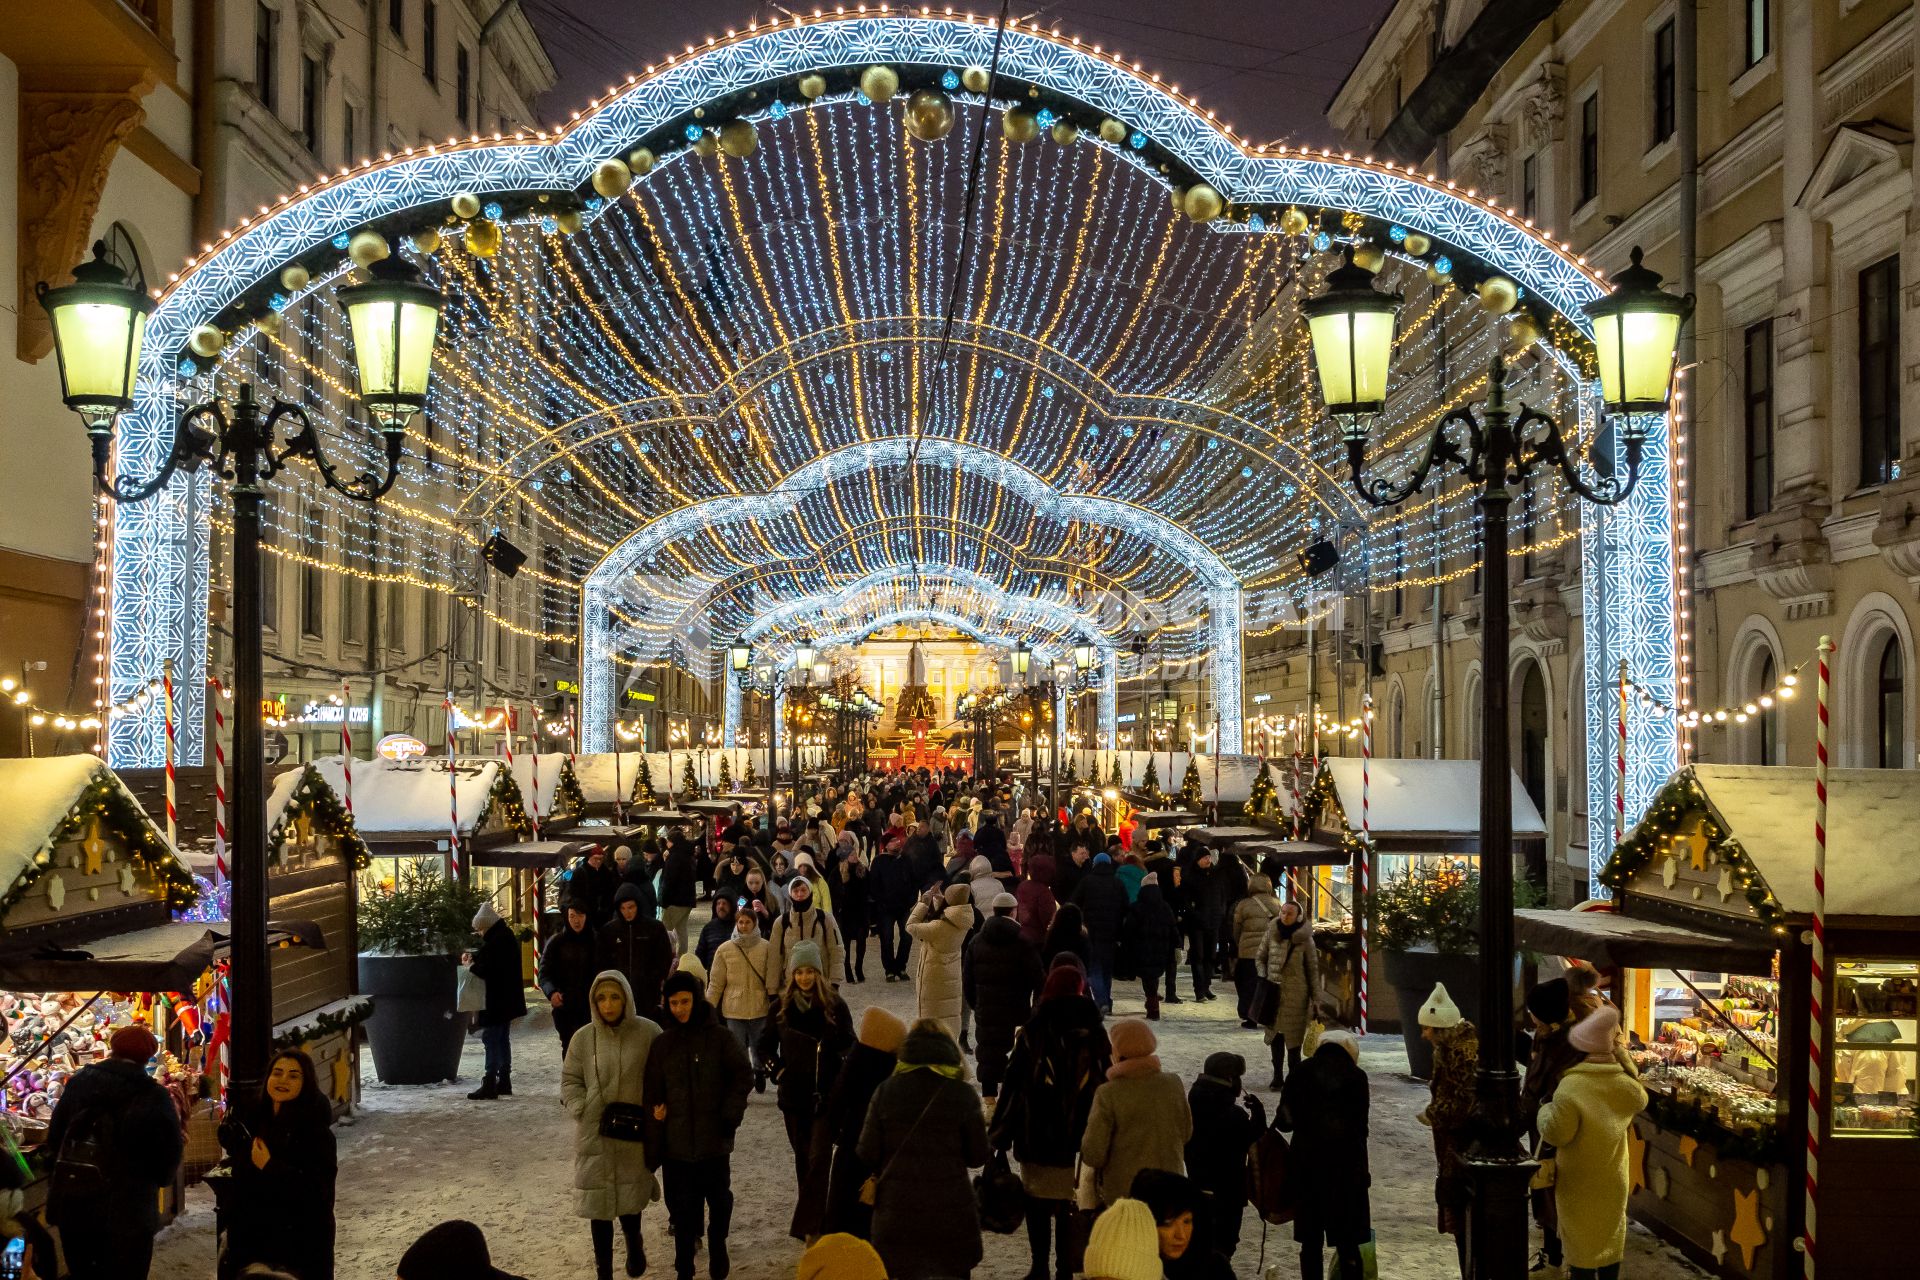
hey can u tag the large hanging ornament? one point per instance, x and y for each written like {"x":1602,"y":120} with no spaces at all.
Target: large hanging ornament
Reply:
{"x":568,"y":221}
{"x":738,"y":138}
{"x":880,"y":83}
{"x":812,"y":86}
{"x":1203,"y":203}
{"x":367,"y":248}
{"x":426,"y":240}
{"x":1065,"y":132}
{"x":611,"y":178}
{"x":1369,"y":257}
{"x":1525,"y":330}
{"x":1294,"y":222}
{"x":976,"y":79}
{"x":294,"y":278}
{"x":1112,"y":132}
{"x":1020,"y":125}
{"x":1498,"y":295}
{"x":1416,"y":244}
{"x":640,"y":160}
{"x":929,"y":115}
{"x":706,"y":145}
{"x":206,"y":341}
{"x":483,"y":237}
{"x":466,"y":205}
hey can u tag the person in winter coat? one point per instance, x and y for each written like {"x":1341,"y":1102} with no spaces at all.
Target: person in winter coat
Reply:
{"x":1325,"y":1106}
{"x":1139,"y":1118}
{"x":990,"y":842}
{"x":923,"y":1133}
{"x":497,"y":964}
{"x":1069,"y":872}
{"x":983,"y":883}
{"x":1206,"y":888}
{"x":1252,"y":917}
{"x":696,"y":1095}
{"x":606,"y":1066}
{"x":1550,"y":1019}
{"x":1066,"y":936}
{"x":639,"y":948}
{"x":591,"y":883}
{"x":639,"y":873}
{"x":1289,"y":959}
{"x":940,"y":924}
{"x":679,"y":890}
{"x":830,"y":1199}
{"x":1150,"y":939}
{"x":1456,"y":1055}
{"x":740,"y":985}
{"x":892,"y":885}
{"x":1227,"y":1121}
{"x":1000,"y":975}
{"x":451,"y":1250}
{"x":1035,"y":896}
{"x":714,"y":932}
{"x":280,"y":1146}
{"x":763,"y":904}
{"x":853,"y":892}
{"x":1059,"y":1059}
{"x":809,"y":1034}
{"x":1104,"y":904}
{"x":803,"y":921}
{"x":1587,"y":1120}
{"x":807,"y":867}
{"x":923,"y":854}
{"x":1179,"y":1207}
{"x":567,"y":966}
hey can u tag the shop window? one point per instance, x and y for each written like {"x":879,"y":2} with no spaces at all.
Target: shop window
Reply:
{"x":1879,"y":371}
{"x":1759,"y":418}
{"x":1890,"y":707}
{"x":1662,"y":85}
{"x":1712,"y":1046}
{"x":1875,"y":1048}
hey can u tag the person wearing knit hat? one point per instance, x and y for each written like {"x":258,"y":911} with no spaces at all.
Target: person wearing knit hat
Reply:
{"x":1124,"y":1245}
{"x":1139,"y":1119}
{"x":940,"y":923}
{"x":453,"y":1250}
{"x":697,"y":1080}
{"x":109,"y":1232}
{"x":1000,"y":975}
{"x":496,"y":965}
{"x":1449,"y":1110}
{"x":1227,"y":1121}
{"x":1150,"y":940}
{"x":1587,"y":1120}
{"x":1549,"y":1008}
{"x":809,"y":1034}
{"x":689,"y":964}
{"x":1326,"y":1102}
{"x":840,"y":1256}
{"x":1004,"y":903}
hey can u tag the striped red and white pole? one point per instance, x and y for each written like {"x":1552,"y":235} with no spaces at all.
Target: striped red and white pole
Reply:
{"x":453,"y":794}
{"x":218,"y":694}
{"x":534,"y":755}
{"x":173,"y":813}
{"x":346,"y":747}
{"x":1816,"y":986}
{"x":1366,"y":849}
{"x":1620,"y":765}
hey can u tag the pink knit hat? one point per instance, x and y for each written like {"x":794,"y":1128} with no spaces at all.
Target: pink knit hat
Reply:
{"x":1132,"y":1038}
{"x":1594,"y":1033}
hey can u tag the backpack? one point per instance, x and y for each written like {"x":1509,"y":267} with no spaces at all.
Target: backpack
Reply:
{"x":83,"y":1169}
{"x":1267,"y":1188}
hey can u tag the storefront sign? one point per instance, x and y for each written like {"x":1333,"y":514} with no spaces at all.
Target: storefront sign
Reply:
{"x":400,"y":746}
{"x":1259,"y":698}
{"x":273,"y":708}
{"x":1128,"y":718}
{"x":635,"y":695}
{"x":332,"y":713}
{"x":566,"y":686}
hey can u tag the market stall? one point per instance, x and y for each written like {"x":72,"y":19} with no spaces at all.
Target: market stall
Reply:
{"x":550,"y":795}
{"x":413,"y":809}
{"x":1708,"y":956}
{"x":612,"y":783}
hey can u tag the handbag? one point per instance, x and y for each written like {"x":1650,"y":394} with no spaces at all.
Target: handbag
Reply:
{"x":1001,"y":1195}
{"x":1086,"y":1188}
{"x":1549,"y":1171}
{"x":1266,"y":1003}
{"x":1369,"y":1263}
{"x":470,"y":996}
{"x":624,"y":1122}
{"x":870,"y":1189}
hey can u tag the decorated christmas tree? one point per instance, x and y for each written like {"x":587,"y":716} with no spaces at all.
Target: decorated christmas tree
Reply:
{"x":643,"y":782}
{"x":726,"y":772}
{"x":689,"y":781}
{"x":1151,"y":782}
{"x":751,"y":778}
{"x":1190,"y":783}
{"x":1261,"y":799}
{"x":1119,"y":779}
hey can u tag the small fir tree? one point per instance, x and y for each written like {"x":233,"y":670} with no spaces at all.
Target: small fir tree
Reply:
{"x":726,"y":772}
{"x":1119,"y":779}
{"x":643,"y":782}
{"x":1260,"y":800}
{"x":1190,"y":783}
{"x":1151,"y":782}
{"x":751,"y":778}
{"x":689,"y":781}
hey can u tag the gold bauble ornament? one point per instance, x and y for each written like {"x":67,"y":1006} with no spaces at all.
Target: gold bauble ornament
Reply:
{"x":1524,"y":330}
{"x":1203,"y":203}
{"x":1416,"y":244}
{"x":1435,"y":275}
{"x":640,"y":160}
{"x":929,"y":115}
{"x":880,"y":83}
{"x":1179,"y":197}
{"x":1065,"y":132}
{"x":611,"y":178}
{"x":1020,"y":125}
{"x":705,"y":145}
{"x":568,"y":220}
{"x":1112,"y":132}
{"x":976,"y":79}
{"x":294,"y":278}
{"x":426,"y":240}
{"x":1498,"y":295}
{"x":483,"y":238}
{"x":268,"y":323}
{"x":1369,"y":257}
{"x":812,"y":86}
{"x":367,"y":248}
{"x":206,"y":341}
{"x":1294,"y":222}
{"x":466,"y":205}
{"x":738,"y":138}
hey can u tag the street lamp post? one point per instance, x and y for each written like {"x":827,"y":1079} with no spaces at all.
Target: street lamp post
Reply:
{"x":98,"y":324}
{"x":1636,"y":330}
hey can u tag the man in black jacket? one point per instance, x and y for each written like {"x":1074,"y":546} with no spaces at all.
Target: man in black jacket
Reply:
{"x":639,"y":947}
{"x":1000,"y":975}
{"x":497,"y":964}
{"x":893,"y":884}
{"x":1103,"y":903}
{"x":922,"y":853}
{"x":567,"y":968}
{"x":117,"y":1140}
{"x":591,"y":884}
{"x":696,"y":1088}
{"x":678,"y":890}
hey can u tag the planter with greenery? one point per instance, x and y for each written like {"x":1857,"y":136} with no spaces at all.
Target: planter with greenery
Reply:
{"x":411,"y":937}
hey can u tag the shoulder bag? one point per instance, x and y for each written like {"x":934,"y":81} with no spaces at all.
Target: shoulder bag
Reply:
{"x":624,"y":1122}
{"x":870,"y":1189}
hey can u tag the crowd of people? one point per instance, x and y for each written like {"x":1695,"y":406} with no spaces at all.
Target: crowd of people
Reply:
{"x":1012,"y":925}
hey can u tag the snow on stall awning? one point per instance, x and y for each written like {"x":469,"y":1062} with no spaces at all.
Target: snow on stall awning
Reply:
{"x":37,"y":794}
{"x":406,"y":797}
{"x":552,"y":767}
{"x":1610,"y":941}
{"x":1872,"y":815}
{"x":1424,"y":798}
{"x":165,"y":957}
{"x":594,"y":770}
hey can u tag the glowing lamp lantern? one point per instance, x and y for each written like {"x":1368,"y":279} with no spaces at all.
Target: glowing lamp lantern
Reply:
{"x":1083,"y":657}
{"x":394,"y":317}
{"x":1636,"y":333}
{"x":803,"y":652}
{"x":822,"y":669}
{"x":98,"y":323}
{"x":1022,"y":660}
{"x":1351,"y":325}
{"x":740,"y":656}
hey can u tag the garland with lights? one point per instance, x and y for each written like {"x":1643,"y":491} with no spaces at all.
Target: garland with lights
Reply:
{"x":569,"y":798}
{"x":1678,"y":808}
{"x":689,"y":782}
{"x":505,"y":797}
{"x":1261,"y":797}
{"x":313,"y":797}
{"x":106,"y":799}
{"x":726,"y":773}
{"x":324,"y":1025}
{"x":1321,"y":807}
{"x":750,"y":778}
{"x":642,"y":784}
{"x":1190,"y":783}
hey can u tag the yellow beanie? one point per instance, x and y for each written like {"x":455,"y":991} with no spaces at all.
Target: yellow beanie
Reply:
{"x":1124,"y":1245}
{"x":843,"y":1257}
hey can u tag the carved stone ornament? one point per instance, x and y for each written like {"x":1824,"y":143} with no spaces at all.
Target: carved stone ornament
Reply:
{"x":1897,"y":533}
{"x":1544,"y":107}
{"x":1791,"y":560}
{"x":1481,"y":162}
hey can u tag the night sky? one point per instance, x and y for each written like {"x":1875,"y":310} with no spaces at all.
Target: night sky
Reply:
{"x":1266,"y":66}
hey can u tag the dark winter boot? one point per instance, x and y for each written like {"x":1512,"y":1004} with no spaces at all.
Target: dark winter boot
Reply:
{"x":602,"y":1249}
{"x":1039,"y":1236}
{"x":504,"y":1086}
{"x":1278,"y":1048}
{"x":487,"y":1091}
{"x":719,"y":1265}
{"x":636,"y":1248}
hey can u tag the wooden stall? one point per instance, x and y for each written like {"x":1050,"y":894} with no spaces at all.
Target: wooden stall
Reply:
{"x":406,"y":810}
{"x":1708,"y":957}
{"x":552,"y":798}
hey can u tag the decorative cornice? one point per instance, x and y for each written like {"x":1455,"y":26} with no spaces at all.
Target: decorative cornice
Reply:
{"x":1867,"y":70}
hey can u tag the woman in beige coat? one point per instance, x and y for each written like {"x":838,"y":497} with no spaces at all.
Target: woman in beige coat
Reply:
{"x":1253,"y":915}
{"x":1140,"y":1117}
{"x":1289,"y":959}
{"x":742,"y":983}
{"x":607,"y":1064}
{"x":1587,"y":1120}
{"x":937,"y":985}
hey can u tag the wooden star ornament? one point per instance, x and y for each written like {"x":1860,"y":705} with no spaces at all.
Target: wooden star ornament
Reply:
{"x":1636,"y":1159}
{"x":1688,"y":1145}
{"x":1747,"y":1231}
{"x":1697,"y":849}
{"x":1669,"y":871}
{"x":94,"y":847}
{"x":1719,"y":1247}
{"x":1726,"y":882}
{"x":341,"y":1077}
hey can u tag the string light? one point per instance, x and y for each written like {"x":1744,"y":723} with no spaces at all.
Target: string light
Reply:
{"x":1737,"y":713}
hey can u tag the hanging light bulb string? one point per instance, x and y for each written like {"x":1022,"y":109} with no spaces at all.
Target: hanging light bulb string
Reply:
{"x":1737,"y":713}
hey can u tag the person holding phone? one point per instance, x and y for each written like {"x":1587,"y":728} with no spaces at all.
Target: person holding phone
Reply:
{"x":281,"y":1148}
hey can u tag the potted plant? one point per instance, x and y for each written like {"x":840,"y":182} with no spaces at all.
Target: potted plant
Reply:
{"x":1425,"y":924}
{"x":411,"y":937}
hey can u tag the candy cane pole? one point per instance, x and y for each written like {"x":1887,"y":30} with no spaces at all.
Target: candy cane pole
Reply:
{"x":535,"y":749}
{"x":1366,"y":848}
{"x":346,"y":747}
{"x":1620,"y":764}
{"x":619,"y":811}
{"x":219,"y":780}
{"x":453,"y":795}
{"x":1816,"y":1021}
{"x":173,"y":818}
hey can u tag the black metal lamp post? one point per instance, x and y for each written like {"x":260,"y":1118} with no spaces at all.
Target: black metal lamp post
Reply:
{"x":98,"y":324}
{"x":1636,"y":331}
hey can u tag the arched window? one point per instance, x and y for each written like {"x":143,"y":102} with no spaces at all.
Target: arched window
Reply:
{"x":1891,"y":708}
{"x":1767,"y":731}
{"x":1399,"y":728}
{"x":1533,"y":724}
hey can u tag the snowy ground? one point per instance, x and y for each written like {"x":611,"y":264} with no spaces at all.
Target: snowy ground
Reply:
{"x":415,"y":1156}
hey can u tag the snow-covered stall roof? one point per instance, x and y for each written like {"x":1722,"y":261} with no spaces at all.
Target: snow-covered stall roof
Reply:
{"x":1872,"y":815}
{"x":409,"y":797}
{"x":594,"y":770}
{"x":1424,"y":797}
{"x":38,"y":799}
{"x":553,"y":773}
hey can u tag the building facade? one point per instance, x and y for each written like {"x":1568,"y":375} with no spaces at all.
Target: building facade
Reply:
{"x":1784,"y":198}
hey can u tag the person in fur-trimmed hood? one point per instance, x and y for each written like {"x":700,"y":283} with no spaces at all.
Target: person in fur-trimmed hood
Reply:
{"x":1227,"y":1121}
{"x":940,"y":923}
{"x":1140,"y":1117}
{"x":1587,"y":1121}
